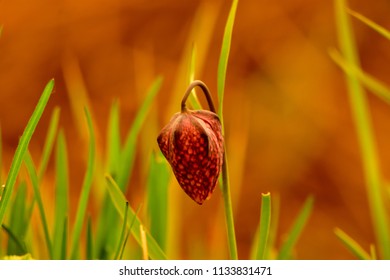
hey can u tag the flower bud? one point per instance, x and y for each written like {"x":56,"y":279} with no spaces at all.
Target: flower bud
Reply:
{"x":192,"y":143}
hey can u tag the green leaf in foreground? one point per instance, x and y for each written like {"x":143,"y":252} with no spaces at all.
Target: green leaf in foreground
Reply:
{"x":38,"y":198}
{"x":121,"y":165}
{"x":119,"y":200}
{"x":18,"y":223}
{"x":158,"y":181}
{"x":352,"y":245}
{"x":61,"y":197}
{"x":87,"y":184}
{"x":265,"y":221}
{"x":296,"y":230}
{"x":22,"y":148}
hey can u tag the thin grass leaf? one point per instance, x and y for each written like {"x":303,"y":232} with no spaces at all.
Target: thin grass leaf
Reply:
{"x":381,"y":30}
{"x":365,"y":133}
{"x":89,"y":242}
{"x":224,"y":57}
{"x":367,"y":80}
{"x":64,"y":243}
{"x":124,"y":243}
{"x":128,"y":233}
{"x":108,"y":224}
{"x":37,"y":195}
{"x":265,"y":221}
{"x":157,"y":190}
{"x":352,"y":245}
{"x":18,"y":221}
{"x":18,"y":241}
{"x":49,"y":142}
{"x":274,"y":226}
{"x":108,"y":218}
{"x":273,"y":229}
{"x":119,"y":200}
{"x":61,"y":196}
{"x":128,"y":152}
{"x":113,"y":140}
{"x":296,"y":230}
{"x":22,"y":148}
{"x":123,"y":233}
{"x":87,"y":184}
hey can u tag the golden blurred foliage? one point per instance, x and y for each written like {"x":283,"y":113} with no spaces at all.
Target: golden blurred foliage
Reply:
{"x":287,"y":116}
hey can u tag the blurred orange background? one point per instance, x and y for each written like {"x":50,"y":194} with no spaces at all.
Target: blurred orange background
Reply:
{"x":287,"y":116}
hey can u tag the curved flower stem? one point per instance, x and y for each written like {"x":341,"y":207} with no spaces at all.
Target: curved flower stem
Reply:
{"x":206,"y":92}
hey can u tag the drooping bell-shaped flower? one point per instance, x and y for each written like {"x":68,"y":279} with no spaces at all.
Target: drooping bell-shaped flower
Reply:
{"x":192,"y":142}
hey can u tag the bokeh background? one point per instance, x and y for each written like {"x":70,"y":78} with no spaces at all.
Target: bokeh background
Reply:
{"x":288,"y":122}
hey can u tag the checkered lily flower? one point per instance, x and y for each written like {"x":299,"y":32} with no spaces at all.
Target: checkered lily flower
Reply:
{"x":192,"y":142}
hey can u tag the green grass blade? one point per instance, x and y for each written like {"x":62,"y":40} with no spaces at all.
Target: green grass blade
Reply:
{"x":22,"y":148}
{"x":381,"y":30}
{"x":296,"y":230}
{"x":123,"y":233}
{"x":222,"y":68}
{"x":113,"y":140}
{"x":157,"y":187}
{"x":108,"y":224}
{"x":18,"y":221}
{"x":64,"y":243}
{"x":61,"y":196}
{"x":367,"y":80}
{"x":49,"y":142}
{"x":89,"y":243}
{"x":128,"y":233}
{"x":119,"y":200}
{"x":365,"y":133}
{"x":352,"y":245}
{"x":19,"y":243}
{"x":37,"y":195}
{"x":128,"y":152}
{"x":265,"y":221}
{"x":108,"y":219}
{"x":224,"y":57}
{"x":83,"y":202}
{"x":274,"y":226}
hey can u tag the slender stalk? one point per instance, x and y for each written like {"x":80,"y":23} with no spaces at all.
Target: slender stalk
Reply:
{"x":228,"y":209}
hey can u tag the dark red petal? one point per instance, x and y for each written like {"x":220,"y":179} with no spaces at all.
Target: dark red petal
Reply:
{"x":193,"y":145}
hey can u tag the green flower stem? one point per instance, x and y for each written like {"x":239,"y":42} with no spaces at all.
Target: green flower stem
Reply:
{"x":228,"y":209}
